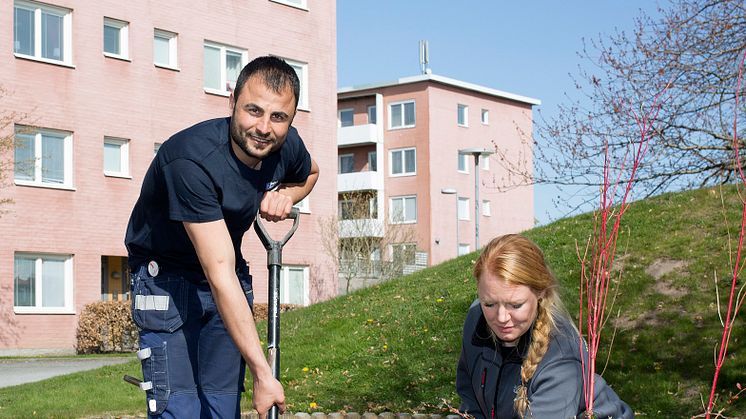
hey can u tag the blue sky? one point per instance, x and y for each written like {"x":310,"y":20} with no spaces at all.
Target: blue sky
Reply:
{"x":524,"y":47}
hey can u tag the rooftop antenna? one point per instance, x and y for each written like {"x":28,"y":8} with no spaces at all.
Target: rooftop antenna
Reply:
{"x":424,"y":58}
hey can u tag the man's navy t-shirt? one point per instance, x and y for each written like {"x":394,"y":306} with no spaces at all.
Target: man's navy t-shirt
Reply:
{"x":196,"y":177}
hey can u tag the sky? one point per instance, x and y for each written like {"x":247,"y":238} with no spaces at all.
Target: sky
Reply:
{"x":526,"y":47}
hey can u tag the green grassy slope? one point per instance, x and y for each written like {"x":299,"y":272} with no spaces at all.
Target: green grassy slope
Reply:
{"x":395,"y":346}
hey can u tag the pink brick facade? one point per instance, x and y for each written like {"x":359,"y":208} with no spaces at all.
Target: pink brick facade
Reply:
{"x":92,"y":96}
{"x":437,"y":137}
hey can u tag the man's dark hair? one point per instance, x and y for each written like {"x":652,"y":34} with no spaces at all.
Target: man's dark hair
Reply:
{"x":275,"y":73}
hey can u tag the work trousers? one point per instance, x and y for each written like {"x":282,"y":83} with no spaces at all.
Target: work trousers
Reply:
{"x":191,"y":366}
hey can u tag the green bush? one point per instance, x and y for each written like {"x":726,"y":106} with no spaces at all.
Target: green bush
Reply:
{"x":106,"y":326}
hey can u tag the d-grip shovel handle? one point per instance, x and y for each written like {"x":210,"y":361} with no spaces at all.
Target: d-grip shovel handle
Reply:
{"x":267,"y":241}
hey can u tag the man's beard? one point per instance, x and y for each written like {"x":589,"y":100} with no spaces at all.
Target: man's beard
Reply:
{"x":238,"y":137}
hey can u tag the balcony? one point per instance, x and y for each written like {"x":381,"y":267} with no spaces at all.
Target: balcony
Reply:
{"x":360,"y":228}
{"x":357,"y":135}
{"x":359,"y":181}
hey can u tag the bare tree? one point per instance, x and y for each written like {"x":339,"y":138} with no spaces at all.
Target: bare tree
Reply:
{"x":691,"y":51}
{"x":365,"y":249}
{"x":8,"y":118}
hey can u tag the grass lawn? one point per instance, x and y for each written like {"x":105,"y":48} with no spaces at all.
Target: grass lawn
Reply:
{"x":395,"y":346}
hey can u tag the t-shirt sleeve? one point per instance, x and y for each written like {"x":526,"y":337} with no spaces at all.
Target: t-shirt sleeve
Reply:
{"x":297,"y":160}
{"x":191,"y":193}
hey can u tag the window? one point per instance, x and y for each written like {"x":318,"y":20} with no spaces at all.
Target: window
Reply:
{"x":294,"y":285}
{"x":304,"y":206}
{"x":486,"y":208}
{"x":404,"y":209}
{"x":300,"y":4}
{"x":485,"y":117}
{"x":401,"y":115}
{"x":115,"y":38}
{"x":42,"y":283}
{"x":223,"y":64}
{"x":463,"y":115}
{"x":484,"y":162}
{"x":116,"y":157}
{"x":346,"y":163}
{"x":42,"y":32}
{"x":463,"y":163}
{"x":43,"y":157}
{"x":463,"y":209}
{"x":403,"y":254}
{"x":346,"y":209}
{"x":403,"y":162}
{"x":372,"y":114}
{"x":463,"y":249}
{"x":372,"y":161}
{"x":346,"y":117}
{"x":301,"y":69}
{"x":164,"y":49}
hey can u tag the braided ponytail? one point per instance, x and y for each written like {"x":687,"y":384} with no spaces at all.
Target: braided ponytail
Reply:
{"x":536,"y":351}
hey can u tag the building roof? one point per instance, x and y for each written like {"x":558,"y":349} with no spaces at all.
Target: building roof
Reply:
{"x":443,"y":80}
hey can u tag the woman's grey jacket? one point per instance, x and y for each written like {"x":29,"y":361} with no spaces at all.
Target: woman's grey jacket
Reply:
{"x":489,"y":374}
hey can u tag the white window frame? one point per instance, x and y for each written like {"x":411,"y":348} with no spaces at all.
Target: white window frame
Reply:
{"x":405,"y":217}
{"x":372,"y":112}
{"x":123,"y":34}
{"x":304,"y":205}
{"x":465,"y":159}
{"x":339,"y":116}
{"x":124,"y":159}
{"x":223,"y":49}
{"x":67,"y":34}
{"x":463,"y":248}
{"x":284,"y":282}
{"x":404,"y":121}
{"x":484,"y":162}
{"x":67,"y":182}
{"x":298,"y":4}
{"x":404,"y":171}
{"x":346,"y":156}
{"x":371,"y":156}
{"x":156,"y":147}
{"x":301,"y":69}
{"x":464,"y":208}
{"x":173,"y":51}
{"x":485,"y":117}
{"x":486,"y":208}
{"x":38,"y":286}
{"x":461,"y":108}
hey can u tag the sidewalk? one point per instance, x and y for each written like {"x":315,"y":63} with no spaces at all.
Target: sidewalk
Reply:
{"x":14,"y":371}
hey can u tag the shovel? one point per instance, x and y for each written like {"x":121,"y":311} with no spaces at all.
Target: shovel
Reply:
{"x":274,"y":264}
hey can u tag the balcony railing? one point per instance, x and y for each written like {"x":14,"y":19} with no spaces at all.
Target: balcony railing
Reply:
{"x":360,"y":228}
{"x":359,"y":181}
{"x":356,"y":135}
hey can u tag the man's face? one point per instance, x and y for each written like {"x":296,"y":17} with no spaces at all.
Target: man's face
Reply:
{"x":261,"y":119}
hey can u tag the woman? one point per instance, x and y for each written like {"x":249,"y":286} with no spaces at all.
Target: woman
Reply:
{"x":520,"y":354}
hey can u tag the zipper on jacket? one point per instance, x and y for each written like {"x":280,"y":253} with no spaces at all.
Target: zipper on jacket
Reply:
{"x":484,"y":377}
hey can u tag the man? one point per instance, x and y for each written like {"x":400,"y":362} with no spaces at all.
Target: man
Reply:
{"x":190,"y":284}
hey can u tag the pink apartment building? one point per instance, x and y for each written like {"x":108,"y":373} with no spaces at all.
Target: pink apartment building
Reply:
{"x":92,"y":89}
{"x":398,"y":146}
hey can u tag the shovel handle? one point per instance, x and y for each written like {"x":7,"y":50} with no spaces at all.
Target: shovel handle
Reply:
{"x":267,"y":240}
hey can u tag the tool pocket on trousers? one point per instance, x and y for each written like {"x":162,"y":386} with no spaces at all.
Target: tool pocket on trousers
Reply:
{"x":155,"y":372}
{"x":159,"y":304}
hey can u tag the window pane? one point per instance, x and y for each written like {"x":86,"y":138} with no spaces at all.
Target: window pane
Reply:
{"x":232,"y":69}
{"x":24,"y":290}
{"x":212,"y":67}
{"x":111,"y":39}
{"x":161,"y":50}
{"x":461,"y":115}
{"x":409,"y":113}
{"x":293,"y":292}
{"x":53,"y":283}
{"x":373,"y":162}
{"x":409,"y":161}
{"x":346,"y":118}
{"x":112,"y":157}
{"x":51,"y":36}
{"x":397,"y":209}
{"x":396,"y":116}
{"x":463,"y":208}
{"x":23,"y":31}
{"x":396,"y":162}
{"x":52,"y":159}
{"x":462,"y":162}
{"x":24,"y":157}
{"x":410,"y":209}
{"x":299,"y":72}
{"x":372,"y":114}
{"x":346,"y":164}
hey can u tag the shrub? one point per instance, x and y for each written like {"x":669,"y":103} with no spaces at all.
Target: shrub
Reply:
{"x":261,"y":310}
{"x":106,"y":326}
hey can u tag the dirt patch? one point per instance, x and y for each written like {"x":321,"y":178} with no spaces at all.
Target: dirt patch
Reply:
{"x":661,"y":267}
{"x":668,"y":289}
